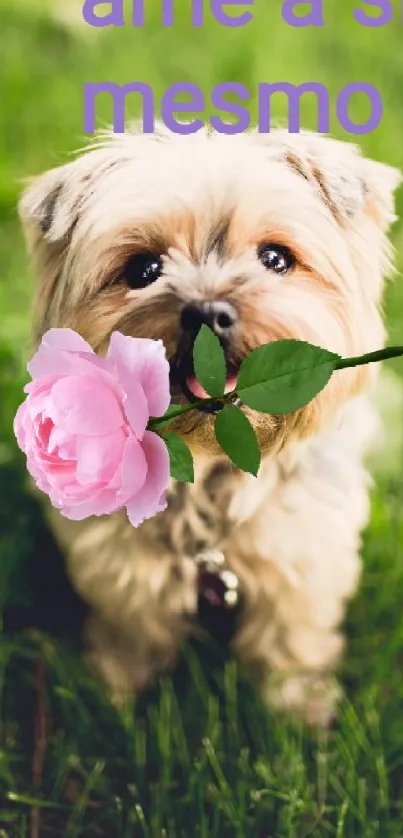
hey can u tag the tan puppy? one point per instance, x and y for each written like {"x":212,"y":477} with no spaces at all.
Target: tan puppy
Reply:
{"x":261,"y":237}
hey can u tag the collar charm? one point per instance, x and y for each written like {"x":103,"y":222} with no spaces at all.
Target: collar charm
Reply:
{"x":219,"y":599}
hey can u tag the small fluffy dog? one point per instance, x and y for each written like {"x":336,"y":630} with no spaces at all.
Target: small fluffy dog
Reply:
{"x":262,"y":238}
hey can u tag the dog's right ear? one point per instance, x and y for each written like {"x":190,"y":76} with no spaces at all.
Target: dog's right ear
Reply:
{"x":48,"y":207}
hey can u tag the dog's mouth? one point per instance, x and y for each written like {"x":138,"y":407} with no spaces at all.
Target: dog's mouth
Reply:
{"x":193,"y":390}
{"x":183,"y":375}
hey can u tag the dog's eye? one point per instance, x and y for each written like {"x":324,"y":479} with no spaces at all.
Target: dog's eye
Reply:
{"x":142,"y":269}
{"x":276,"y":257}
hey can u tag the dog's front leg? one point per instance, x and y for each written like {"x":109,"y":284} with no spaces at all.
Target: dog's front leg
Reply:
{"x":131,"y":641}
{"x":289,"y":636}
{"x":141,"y":597}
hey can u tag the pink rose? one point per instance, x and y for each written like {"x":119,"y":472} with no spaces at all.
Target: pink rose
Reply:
{"x":83,"y":425}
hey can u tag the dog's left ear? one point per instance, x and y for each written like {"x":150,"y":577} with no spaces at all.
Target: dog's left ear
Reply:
{"x":379,"y":183}
{"x":348,"y":183}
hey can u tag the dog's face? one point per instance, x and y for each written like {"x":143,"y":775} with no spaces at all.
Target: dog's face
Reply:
{"x":262,"y":238}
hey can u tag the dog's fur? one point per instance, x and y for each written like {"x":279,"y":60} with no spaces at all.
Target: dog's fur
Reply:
{"x":292,"y":535}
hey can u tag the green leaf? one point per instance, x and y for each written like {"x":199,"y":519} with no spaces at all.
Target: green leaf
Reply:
{"x":180,"y":458}
{"x":238,"y":439}
{"x":284,"y":375}
{"x":209,"y":362}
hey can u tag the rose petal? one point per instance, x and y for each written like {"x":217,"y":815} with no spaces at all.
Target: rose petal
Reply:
{"x":19,"y":425}
{"x":44,"y":383}
{"x":53,"y":482}
{"x":115,"y":482}
{"x":135,"y":405}
{"x":71,"y":495}
{"x":50,"y":357}
{"x":34,"y":469}
{"x":36,"y":402}
{"x":54,"y":447}
{"x":58,"y":481}
{"x":134,"y":470}
{"x":98,"y":457}
{"x":59,"y":441}
{"x":104,"y":504}
{"x":43,"y":429}
{"x":151,"y":499}
{"x":83,"y":363}
{"x":83,"y":405}
{"x":145,"y":361}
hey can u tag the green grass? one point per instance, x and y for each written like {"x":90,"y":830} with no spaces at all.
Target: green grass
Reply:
{"x":198,"y":755}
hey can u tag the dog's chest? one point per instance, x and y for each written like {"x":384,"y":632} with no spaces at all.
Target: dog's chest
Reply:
{"x":195,"y":524}
{"x":197,"y":515}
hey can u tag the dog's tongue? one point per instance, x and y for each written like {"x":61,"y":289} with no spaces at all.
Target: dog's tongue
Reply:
{"x":196,"y":388}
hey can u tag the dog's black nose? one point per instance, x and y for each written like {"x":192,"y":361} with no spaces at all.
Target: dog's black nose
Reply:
{"x":219,"y":316}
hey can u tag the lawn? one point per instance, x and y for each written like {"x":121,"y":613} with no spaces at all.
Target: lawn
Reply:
{"x":198,"y":755}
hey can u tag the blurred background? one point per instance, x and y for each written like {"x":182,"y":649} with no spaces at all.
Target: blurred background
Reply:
{"x":47,"y":53}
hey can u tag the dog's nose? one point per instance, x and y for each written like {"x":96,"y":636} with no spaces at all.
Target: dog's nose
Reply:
{"x":219,"y":316}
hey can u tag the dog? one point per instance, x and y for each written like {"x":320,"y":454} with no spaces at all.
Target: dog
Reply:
{"x":261,"y":237}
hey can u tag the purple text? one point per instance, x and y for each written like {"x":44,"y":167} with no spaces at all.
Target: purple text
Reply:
{"x":94,"y":12}
{"x":171,"y":105}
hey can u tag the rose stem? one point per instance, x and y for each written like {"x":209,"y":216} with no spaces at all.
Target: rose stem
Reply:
{"x":370,"y":357}
{"x":343,"y":363}
{"x":181,"y":409}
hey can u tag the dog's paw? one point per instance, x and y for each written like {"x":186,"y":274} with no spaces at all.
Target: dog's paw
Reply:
{"x":310,"y":697}
{"x":123,"y":677}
